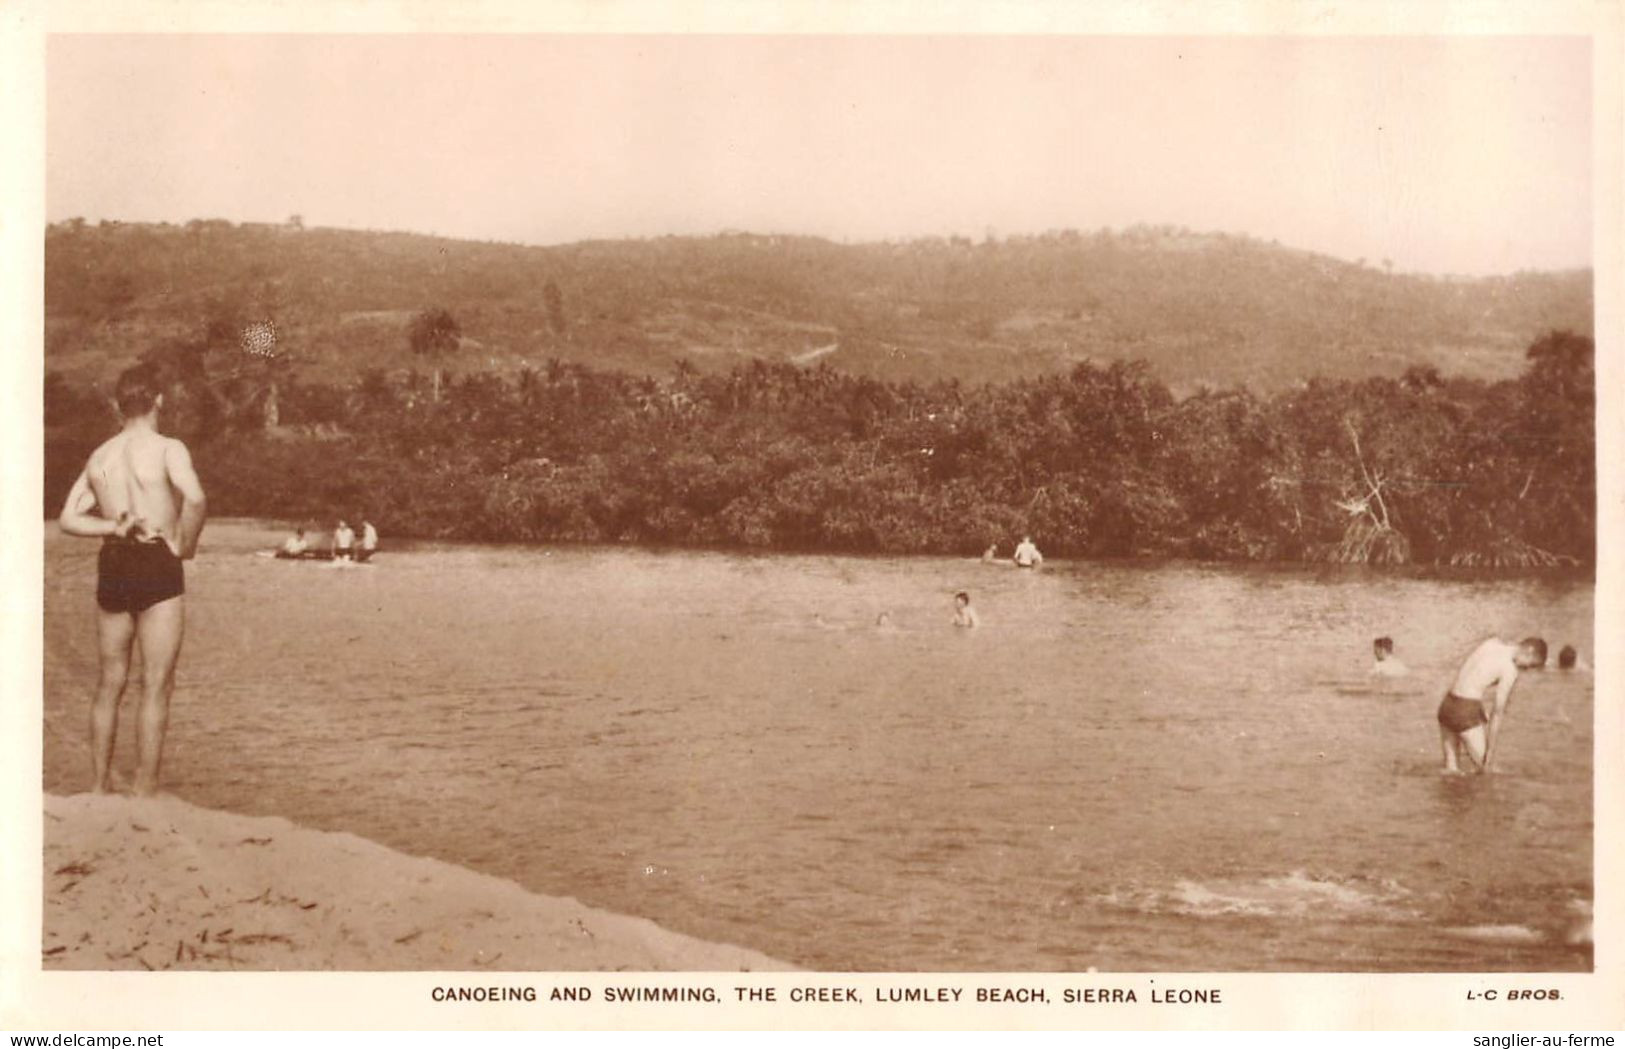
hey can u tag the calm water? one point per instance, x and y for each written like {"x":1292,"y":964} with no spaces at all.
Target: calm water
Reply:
{"x":1129,"y":768}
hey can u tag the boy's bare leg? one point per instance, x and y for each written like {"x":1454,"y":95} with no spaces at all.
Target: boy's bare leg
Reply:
{"x":159,"y":630}
{"x":1448,"y":744}
{"x":114,"y":633}
{"x":1474,"y":740}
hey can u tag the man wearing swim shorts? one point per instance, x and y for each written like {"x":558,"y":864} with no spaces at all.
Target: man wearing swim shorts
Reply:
{"x":140,"y":495}
{"x":1464,"y":720}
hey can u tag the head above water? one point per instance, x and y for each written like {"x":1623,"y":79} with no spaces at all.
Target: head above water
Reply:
{"x":138,"y":391}
{"x":1531,"y":653}
{"x":962,"y":598}
{"x":1567,"y":657}
{"x":1383,"y":647}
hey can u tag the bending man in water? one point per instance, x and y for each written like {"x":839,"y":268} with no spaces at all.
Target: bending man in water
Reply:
{"x":139,"y":494}
{"x":1463,"y":720}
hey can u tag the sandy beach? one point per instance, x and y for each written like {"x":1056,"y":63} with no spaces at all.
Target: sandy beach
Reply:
{"x":160,"y":884}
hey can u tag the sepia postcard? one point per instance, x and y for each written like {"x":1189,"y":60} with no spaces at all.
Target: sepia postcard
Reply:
{"x":684,"y":516}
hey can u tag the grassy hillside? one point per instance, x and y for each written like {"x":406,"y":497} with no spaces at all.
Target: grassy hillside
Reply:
{"x":1200,"y":309}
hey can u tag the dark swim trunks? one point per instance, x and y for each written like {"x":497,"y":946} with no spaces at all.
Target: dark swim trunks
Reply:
{"x":1458,"y":715}
{"x":134,"y":576}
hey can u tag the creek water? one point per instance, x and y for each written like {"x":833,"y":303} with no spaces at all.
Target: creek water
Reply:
{"x":1167,"y":767}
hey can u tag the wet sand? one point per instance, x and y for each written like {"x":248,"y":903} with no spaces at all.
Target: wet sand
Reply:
{"x":160,"y":884}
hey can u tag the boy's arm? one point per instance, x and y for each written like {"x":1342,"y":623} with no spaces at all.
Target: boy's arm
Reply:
{"x":1503,"y":693}
{"x":194,"y":505}
{"x":78,"y":518}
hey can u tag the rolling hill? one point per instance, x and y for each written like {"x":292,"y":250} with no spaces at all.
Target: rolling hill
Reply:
{"x":1202,"y":309}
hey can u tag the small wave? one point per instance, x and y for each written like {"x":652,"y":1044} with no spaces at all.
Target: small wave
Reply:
{"x":1291,"y":895}
{"x":1496,"y":933}
{"x":1568,"y":924}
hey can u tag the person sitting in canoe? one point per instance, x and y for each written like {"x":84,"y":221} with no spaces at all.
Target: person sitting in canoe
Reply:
{"x":369,"y":541}
{"x":343,"y":542}
{"x":295,"y":545}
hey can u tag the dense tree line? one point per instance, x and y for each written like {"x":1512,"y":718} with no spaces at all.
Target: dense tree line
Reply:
{"x":1100,"y":461}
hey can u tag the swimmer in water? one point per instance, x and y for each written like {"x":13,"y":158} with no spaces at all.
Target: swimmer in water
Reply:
{"x":1569,"y":659}
{"x":884,"y":624}
{"x":964,"y":614}
{"x":991,"y":554}
{"x":1464,"y":721}
{"x":1027,"y":555}
{"x":1387,"y":664}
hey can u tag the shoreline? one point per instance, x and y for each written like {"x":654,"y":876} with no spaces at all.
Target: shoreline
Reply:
{"x":408,"y":542}
{"x":158,"y":883}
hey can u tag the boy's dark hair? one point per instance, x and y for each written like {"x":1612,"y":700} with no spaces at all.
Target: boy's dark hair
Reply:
{"x":1538,"y":646}
{"x":962,"y":594}
{"x":1384,"y":644}
{"x":1567,"y":657}
{"x":137,"y":390}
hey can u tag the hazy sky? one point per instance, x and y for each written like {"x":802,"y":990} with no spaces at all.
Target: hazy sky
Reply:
{"x":1444,"y":154}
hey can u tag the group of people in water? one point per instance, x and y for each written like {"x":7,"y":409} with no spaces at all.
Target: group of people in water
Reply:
{"x":342,"y":546}
{"x":139,"y":494}
{"x":1469,"y":716}
{"x":1026,"y":555}
{"x":1469,"y":723}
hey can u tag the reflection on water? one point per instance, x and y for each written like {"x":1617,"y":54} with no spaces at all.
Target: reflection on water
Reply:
{"x":1126,"y":767}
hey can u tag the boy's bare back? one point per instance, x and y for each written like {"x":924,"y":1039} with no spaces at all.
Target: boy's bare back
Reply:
{"x":142,"y":473}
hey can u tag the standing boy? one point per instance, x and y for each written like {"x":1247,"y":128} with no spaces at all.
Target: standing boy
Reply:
{"x":139,"y":494}
{"x":1463,"y":719}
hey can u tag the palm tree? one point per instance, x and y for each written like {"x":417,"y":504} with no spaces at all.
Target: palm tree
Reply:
{"x":435,"y":333}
